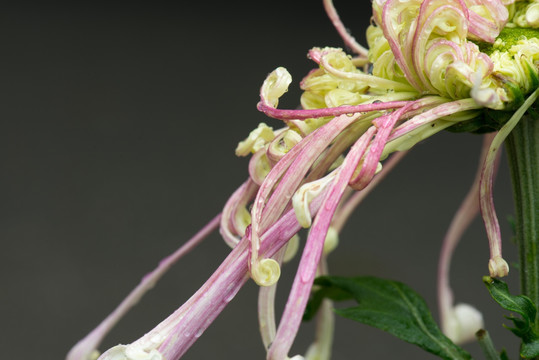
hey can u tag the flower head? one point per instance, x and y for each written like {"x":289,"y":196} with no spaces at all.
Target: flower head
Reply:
{"x":431,"y":65}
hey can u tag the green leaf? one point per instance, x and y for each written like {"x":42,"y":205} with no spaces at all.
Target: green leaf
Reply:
{"x":393,"y":307}
{"x":522,"y":305}
{"x":503,"y":355}
{"x":530,"y":350}
{"x":325,"y":291}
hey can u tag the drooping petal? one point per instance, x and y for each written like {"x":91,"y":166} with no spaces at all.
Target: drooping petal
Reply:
{"x":235,"y":217}
{"x":348,"y":39}
{"x":497,"y":265}
{"x":303,"y":281}
{"x":455,"y":321}
{"x":298,"y":161}
{"x":87,"y":347}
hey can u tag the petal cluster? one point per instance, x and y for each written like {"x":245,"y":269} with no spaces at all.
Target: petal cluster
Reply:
{"x":431,"y":43}
{"x":431,"y":65}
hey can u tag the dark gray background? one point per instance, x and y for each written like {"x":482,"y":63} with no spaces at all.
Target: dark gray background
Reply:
{"x":118,"y":130}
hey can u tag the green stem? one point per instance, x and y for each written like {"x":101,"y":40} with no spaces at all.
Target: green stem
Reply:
{"x":486,"y":345}
{"x":523,"y":156}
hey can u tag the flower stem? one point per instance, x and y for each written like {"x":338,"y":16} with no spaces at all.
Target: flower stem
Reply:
{"x":486,"y":345}
{"x":523,"y":156}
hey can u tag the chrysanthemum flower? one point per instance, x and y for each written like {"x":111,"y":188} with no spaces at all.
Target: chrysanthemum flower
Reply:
{"x":431,"y":65}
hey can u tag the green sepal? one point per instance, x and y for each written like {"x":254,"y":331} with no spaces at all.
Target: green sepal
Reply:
{"x":533,"y":76}
{"x":487,"y":121}
{"x":490,"y":120}
{"x":390,"y":306}
{"x":516,"y":92}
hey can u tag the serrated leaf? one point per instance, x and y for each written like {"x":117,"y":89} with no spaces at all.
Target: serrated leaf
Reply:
{"x":522,"y":305}
{"x":392,"y":307}
{"x":517,"y":303}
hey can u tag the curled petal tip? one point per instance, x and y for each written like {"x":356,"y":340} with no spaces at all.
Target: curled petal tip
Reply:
{"x":275,"y":85}
{"x":332,"y":240}
{"x":305,"y":195}
{"x":86,"y":349}
{"x":81,"y":353}
{"x":463,"y":323}
{"x":486,"y":97}
{"x":130,"y":352}
{"x":256,"y":140}
{"x":117,"y":352}
{"x":498,"y":267}
{"x":266,"y":272}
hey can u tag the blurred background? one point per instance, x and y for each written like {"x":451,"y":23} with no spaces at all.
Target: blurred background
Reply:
{"x":118,"y":130}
